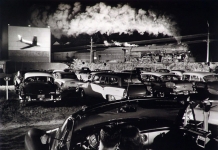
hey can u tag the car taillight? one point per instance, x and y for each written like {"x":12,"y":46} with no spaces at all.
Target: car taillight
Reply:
{"x":125,"y":94}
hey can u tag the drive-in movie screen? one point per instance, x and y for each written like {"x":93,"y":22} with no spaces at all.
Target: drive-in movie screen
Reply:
{"x":30,"y":44}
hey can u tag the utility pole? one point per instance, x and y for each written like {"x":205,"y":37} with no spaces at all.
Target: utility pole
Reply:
{"x":91,"y":52}
{"x":208,"y":41}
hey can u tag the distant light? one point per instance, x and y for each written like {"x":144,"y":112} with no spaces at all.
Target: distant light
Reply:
{"x":48,"y":26}
{"x":8,"y":24}
{"x":29,"y":25}
{"x":95,"y":57}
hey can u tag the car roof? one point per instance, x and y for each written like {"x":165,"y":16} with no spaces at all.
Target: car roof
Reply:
{"x":156,"y":73}
{"x":199,"y":73}
{"x":37,"y":74}
{"x":66,"y":72}
{"x":120,"y":74}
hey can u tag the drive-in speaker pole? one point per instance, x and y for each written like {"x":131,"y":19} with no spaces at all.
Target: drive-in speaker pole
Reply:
{"x":7,"y":79}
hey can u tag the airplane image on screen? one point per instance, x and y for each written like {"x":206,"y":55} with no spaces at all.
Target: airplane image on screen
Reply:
{"x":29,"y":43}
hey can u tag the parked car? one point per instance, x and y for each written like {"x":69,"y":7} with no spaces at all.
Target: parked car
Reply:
{"x":206,"y":83}
{"x":130,"y":71}
{"x":38,"y":86}
{"x":83,"y":73}
{"x":101,"y":70}
{"x":18,"y":77}
{"x":68,"y":83}
{"x":177,"y":72}
{"x":113,"y":86}
{"x":142,"y":69}
{"x":163,"y":70}
{"x":160,"y":128}
{"x":166,"y":84}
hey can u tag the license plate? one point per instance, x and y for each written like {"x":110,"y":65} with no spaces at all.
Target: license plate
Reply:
{"x":41,"y":96}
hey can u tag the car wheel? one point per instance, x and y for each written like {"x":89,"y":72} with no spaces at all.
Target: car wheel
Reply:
{"x":60,"y":92}
{"x":161,"y":94}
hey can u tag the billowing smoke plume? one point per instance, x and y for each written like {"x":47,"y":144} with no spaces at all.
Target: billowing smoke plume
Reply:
{"x":123,"y":19}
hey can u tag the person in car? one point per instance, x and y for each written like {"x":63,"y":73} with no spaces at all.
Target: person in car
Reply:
{"x":109,"y":138}
{"x":130,"y":138}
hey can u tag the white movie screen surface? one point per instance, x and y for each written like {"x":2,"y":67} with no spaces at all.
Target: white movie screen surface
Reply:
{"x":29,"y":44}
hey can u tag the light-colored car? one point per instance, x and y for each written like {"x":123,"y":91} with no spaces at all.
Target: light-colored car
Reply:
{"x":67,"y":82}
{"x":114,"y":86}
{"x":166,"y":84}
{"x":205,"y":82}
{"x":178,"y":72}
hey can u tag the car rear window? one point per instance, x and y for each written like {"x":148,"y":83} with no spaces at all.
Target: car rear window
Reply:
{"x":170,"y":78}
{"x":69,"y":76}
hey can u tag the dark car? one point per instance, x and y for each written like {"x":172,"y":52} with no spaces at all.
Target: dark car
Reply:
{"x":18,"y":77}
{"x":206,"y":83}
{"x":38,"y":86}
{"x":102,"y":70}
{"x":68,"y":83}
{"x":160,"y":124}
{"x":114,"y":86}
{"x":167,"y":84}
{"x":162,"y":70}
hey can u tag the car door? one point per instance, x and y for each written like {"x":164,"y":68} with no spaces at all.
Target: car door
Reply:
{"x":157,"y":83}
{"x":94,"y":87}
{"x":113,"y":88}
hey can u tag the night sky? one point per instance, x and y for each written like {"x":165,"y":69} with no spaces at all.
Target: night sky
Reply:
{"x":123,"y":21}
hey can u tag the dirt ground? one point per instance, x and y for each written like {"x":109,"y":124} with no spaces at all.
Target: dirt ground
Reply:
{"x":14,"y":115}
{"x":16,"y":120}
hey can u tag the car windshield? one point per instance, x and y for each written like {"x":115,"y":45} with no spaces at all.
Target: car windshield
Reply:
{"x":169,"y":78}
{"x":69,"y":76}
{"x":210,"y":78}
{"x":133,"y":112}
{"x":39,"y":79}
{"x":131,"y":79}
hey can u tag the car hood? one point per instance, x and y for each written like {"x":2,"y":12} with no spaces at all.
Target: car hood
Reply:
{"x":135,"y":109}
{"x":213,"y":85}
{"x":66,"y":80}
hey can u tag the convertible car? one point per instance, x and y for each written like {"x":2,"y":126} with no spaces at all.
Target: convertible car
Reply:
{"x":160,"y":123}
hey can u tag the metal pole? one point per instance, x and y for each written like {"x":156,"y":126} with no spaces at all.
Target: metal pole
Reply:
{"x":208,"y":41}
{"x":91,"y":52}
{"x":6,"y":89}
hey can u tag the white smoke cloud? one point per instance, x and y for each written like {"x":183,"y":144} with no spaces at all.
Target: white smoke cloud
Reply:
{"x":129,"y":45}
{"x":123,"y":19}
